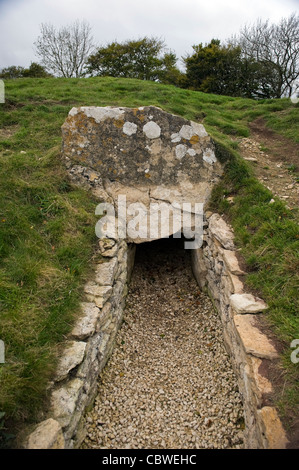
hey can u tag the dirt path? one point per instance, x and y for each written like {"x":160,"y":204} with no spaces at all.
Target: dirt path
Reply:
{"x":275,"y":160}
{"x":169,"y":383}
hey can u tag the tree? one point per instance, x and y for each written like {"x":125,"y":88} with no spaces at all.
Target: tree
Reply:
{"x":64,"y":51}
{"x":276,"y":48}
{"x":144,"y":59}
{"x":36,"y":71}
{"x":12,"y":72}
{"x":169,"y":73}
{"x":218,"y":69}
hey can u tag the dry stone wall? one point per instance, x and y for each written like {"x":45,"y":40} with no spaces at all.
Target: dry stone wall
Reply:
{"x":217,"y":270}
{"x":87,"y":349}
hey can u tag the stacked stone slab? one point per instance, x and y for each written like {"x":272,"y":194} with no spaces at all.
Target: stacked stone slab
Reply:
{"x":87,"y":349}
{"x":145,"y":154}
{"x":217,"y":270}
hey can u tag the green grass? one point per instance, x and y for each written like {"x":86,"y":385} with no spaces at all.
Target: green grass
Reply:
{"x":47,"y":226}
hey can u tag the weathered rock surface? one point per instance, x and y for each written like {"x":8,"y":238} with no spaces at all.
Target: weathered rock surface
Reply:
{"x":145,"y":154}
{"x":139,"y":147}
{"x":105,"y":272}
{"x":47,"y":435}
{"x":254,"y":341}
{"x":275,"y":436}
{"x":97,"y":294}
{"x":247,"y":303}
{"x":231,"y":261}
{"x":86,"y":325}
{"x":64,"y":401}
{"x":73,"y":356}
{"x":221,"y":231}
{"x":264,"y":386}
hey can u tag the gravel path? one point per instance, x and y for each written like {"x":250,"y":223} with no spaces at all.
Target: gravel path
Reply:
{"x":169,"y":383}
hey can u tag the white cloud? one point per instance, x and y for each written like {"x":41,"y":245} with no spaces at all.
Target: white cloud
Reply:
{"x":181,"y":23}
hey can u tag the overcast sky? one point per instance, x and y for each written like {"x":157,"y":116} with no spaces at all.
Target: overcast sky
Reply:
{"x":181,"y":23}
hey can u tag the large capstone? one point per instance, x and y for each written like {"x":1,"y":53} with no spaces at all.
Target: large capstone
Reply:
{"x":145,"y":154}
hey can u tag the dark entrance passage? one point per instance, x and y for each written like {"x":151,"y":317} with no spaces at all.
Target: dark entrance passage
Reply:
{"x":161,"y":263}
{"x":169,"y":382}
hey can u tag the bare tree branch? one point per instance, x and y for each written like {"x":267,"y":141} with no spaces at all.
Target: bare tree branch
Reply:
{"x":64,"y":52}
{"x":276,"y":46}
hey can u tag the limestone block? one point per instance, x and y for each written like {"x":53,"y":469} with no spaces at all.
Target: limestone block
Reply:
{"x":106,"y":244}
{"x":103,"y":344}
{"x":218,"y":267}
{"x":72,"y":356}
{"x":119,"y":292}
{"x":227,"y":289}
{"x":110,"y":253}
{"x":263,"y":385}
{"x":216,"y":247}
{"x":254,"y":341}
{"x":148,"y":134}
{"x":104,"y":316}
{"x":101,"y":194}
{"x":213,"y":288}
{"x":47,"y":435}
{"x":142,"y":147}
{"x":105,"y":272}
{"x":107,"y":227}
{"x":231,"y":262}
{"x":123,"y":276}
{"x":272,"y":429}
{"x":237,"y":284}
{"x":89,"y":367}
{"x":199,"y":267}
{"x":86,"y":325}
{"x":97,"y":294}
{"x":64,"y":400}
{"x":247,"y":303}
{"x":122,"y":254}
{"x":221,"y":231}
